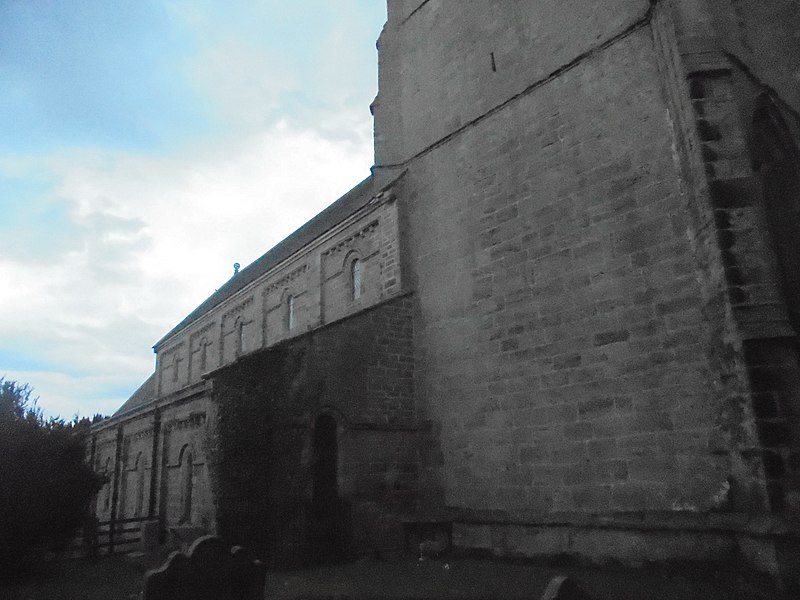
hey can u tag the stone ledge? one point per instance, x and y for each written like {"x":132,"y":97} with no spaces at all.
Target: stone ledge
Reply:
{"x":759,"y":525}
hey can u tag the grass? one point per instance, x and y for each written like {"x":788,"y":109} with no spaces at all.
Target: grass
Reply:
{"x":488,"y":579}
{"x":112,"y":578}
{"x":120,"y":578}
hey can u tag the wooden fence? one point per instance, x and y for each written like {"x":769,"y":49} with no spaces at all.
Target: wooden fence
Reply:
{"x":104,"y":538}
{"x":119,"y":537}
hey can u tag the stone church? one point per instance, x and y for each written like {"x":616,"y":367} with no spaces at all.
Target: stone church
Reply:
{"x":559,"y":318}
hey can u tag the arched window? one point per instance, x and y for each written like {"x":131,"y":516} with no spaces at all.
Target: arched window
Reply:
{"x":175,"y":367}
{"x":355,"y":279}
{"x":107,"y":491}
{"x":203,"y":354}
{"x":138,"y":472}
{"x":186,"y":484}
{"x":290,"y":312}
{"x":239,"y":335}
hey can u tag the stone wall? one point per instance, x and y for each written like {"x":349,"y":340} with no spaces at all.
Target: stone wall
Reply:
{"x":105,"y":463}
{"x":184,"y":496}
{"x":605,"y":320}
{"x":445,"y":63}
{"x":760,"y":36}
{"x":562,"y":339}
{"x":135,"y":469}
{"x":754,"y":189}
{"x":359,"y":372}
{"x":157,"y":456}
{"x":178,"y":492}
{"x":315,"y":281}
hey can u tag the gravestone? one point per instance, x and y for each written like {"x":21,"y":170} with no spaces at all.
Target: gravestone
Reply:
{"x":564,"y":588}
{"x":207,"y":572}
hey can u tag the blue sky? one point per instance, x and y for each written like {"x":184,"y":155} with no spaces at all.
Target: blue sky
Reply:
{"x":146,"y":146}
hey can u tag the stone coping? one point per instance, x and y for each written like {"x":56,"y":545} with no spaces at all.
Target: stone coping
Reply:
{"x":760,"y":525}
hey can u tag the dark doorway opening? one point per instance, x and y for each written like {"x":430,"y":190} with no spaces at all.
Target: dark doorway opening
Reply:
{"x":326,"y":455}
{"x":329,"y":522}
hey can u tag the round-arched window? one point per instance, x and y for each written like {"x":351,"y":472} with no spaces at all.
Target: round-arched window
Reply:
{"x":239,"y":327}
{"x":107,"y":493}
{"x":356,"y":279}
{"x":290,"y":312}
{"x":186,"y":475}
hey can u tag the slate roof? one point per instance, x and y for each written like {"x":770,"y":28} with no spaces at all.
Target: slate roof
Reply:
{"x":342,"y":208}
{"x":145,"y":394}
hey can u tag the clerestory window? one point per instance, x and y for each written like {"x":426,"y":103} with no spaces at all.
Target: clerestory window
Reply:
{"x":239,"y":336}
{"x":290,"y":312}
{"x":356,"y":279}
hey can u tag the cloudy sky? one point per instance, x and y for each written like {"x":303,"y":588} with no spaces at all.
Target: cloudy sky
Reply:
{"x":146,"y":146}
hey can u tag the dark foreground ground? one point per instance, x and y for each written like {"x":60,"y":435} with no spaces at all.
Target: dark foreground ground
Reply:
{"x":472,"y":579}
{"x":119,"y":578}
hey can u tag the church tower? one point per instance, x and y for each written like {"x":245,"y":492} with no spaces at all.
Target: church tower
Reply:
{"x":602,"y":205}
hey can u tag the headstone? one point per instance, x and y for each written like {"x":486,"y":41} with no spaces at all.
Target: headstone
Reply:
{"x":181,"y":537}
{"x":168,"y":581}
{"x":208,"y":572}
{"x":562,"y":587}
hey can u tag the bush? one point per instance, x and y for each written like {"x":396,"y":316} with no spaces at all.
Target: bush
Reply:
{"x":45,"y":484}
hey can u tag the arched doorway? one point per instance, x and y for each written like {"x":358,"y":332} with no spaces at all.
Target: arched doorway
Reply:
{"x":328,"y":528}
{"x":326,"y":456}
{"x":107,"y":488}
{"x":186,"y":484}
{"x":139,"y":476}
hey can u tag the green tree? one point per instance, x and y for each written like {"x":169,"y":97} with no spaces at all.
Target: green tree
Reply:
{"x":45,"y":483}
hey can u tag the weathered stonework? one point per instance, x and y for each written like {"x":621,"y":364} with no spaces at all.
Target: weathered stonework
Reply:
{"x":173,"y":423}
{"x":270,"y":404}
{"x":561,"y":315}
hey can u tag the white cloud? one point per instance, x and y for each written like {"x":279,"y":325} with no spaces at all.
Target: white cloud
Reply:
{"x":145,"y":238}
{"x":243,"y":83}
{"x":159,"y":234}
